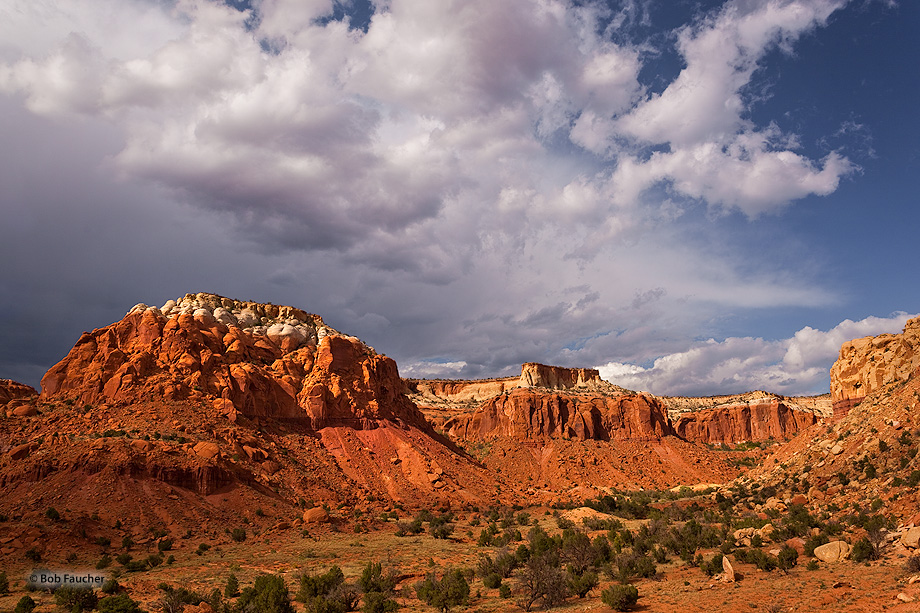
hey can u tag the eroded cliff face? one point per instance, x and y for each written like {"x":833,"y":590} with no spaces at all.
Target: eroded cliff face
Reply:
{"x":557,"y":377}
{"x":435,"y":391}
{"x":867,"y":364}
{"x":755,"y":420}
{"x":242,"y":358}
{"x":531,"y":414}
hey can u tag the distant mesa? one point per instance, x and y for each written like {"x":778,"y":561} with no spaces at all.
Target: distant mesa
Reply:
{"x":867,"y":364}
{"x":532,"y":374}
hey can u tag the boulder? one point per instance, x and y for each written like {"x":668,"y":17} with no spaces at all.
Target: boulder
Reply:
{"x":728,"y":571}
{"x":797,"y":544}
{"x":21,"y":452}
{"x":834,"y":551}
{"x":206,"y":450}
{"x":26,"y":410}
{"x":911,"y":538}
{"x":316,"y":515}
{"x":743,"y":536}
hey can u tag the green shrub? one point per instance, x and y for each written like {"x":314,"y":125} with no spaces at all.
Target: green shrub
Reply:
{"x":75,"y":599}
{"x":814,"y":542}
{"x":378,"y":602}
{"x":165,"y":545}
{"x":404,"y":528}
{"x":25,"y":605}
{"x":581,"y":583}
{"x":504,"y":591}
{"x":269,"y":594}
{"x":445,"y":593}
{"x":812,"y":565}
{"x":238,"y":534}
{"x":863,"y":551}
{"x":232,"y":587}
{"x":441,"y":527}
{"x":713,"y":566}
{"x":121,"y":603}
{"x":4,"y":583}
{"x":787,"y":558}
{"x":110,"y":586}
{"x":378,"y":589}
{"x":492,"y":580}
{"x":319,"y":585}
{"x":620,"y":597}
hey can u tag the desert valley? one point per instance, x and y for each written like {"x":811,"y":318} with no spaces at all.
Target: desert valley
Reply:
{"x":219,"y":455}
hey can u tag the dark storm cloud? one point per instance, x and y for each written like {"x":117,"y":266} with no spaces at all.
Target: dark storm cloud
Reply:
{"x":418,"y":179}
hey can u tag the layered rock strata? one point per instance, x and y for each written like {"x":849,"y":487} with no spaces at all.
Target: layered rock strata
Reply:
{"x":533,"y":374}
{"x":868,"y":364}
{"x":756,"y":420}
{"x":533,"y":415}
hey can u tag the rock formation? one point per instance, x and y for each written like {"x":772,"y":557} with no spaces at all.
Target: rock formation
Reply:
{"x":534,"y":414}
{"x":13,"y":390}
{"x":756,"y":420}
{"x":867,"y":364}
{"x":244,"y":358}
{"x":434,"y":391}
{"x":557,"y":377}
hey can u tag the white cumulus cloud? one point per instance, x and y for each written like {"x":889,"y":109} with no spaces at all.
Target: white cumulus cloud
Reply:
{"x":796,"y":365}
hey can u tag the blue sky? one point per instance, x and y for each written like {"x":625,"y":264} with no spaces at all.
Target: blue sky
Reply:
{"x":697,"y":197}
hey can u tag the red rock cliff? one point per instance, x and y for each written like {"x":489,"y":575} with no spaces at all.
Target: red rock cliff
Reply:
{"x":867,"y":364}
{"x":241,"y":357}
{"x":531,"y":414}
{"x":752,"y":421}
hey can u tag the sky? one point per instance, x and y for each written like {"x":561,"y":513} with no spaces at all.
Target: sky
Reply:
{"x":696,"y":197}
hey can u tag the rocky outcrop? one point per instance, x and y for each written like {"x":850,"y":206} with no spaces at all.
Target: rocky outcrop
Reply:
{"x":479,"y":390}
{"x":755,"y":420}
{"x":867,"y":364}
{"x":535,"y":414}
{"x":13,"y":390}
{"x":433,"y":390}
{"x":557,"y":377}
{"x":242,"y":358}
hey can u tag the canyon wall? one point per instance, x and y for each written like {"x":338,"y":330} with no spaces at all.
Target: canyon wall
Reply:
{"x":756,"y":420}
{"x":532,"y":414}
{"x":867,"y":364}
